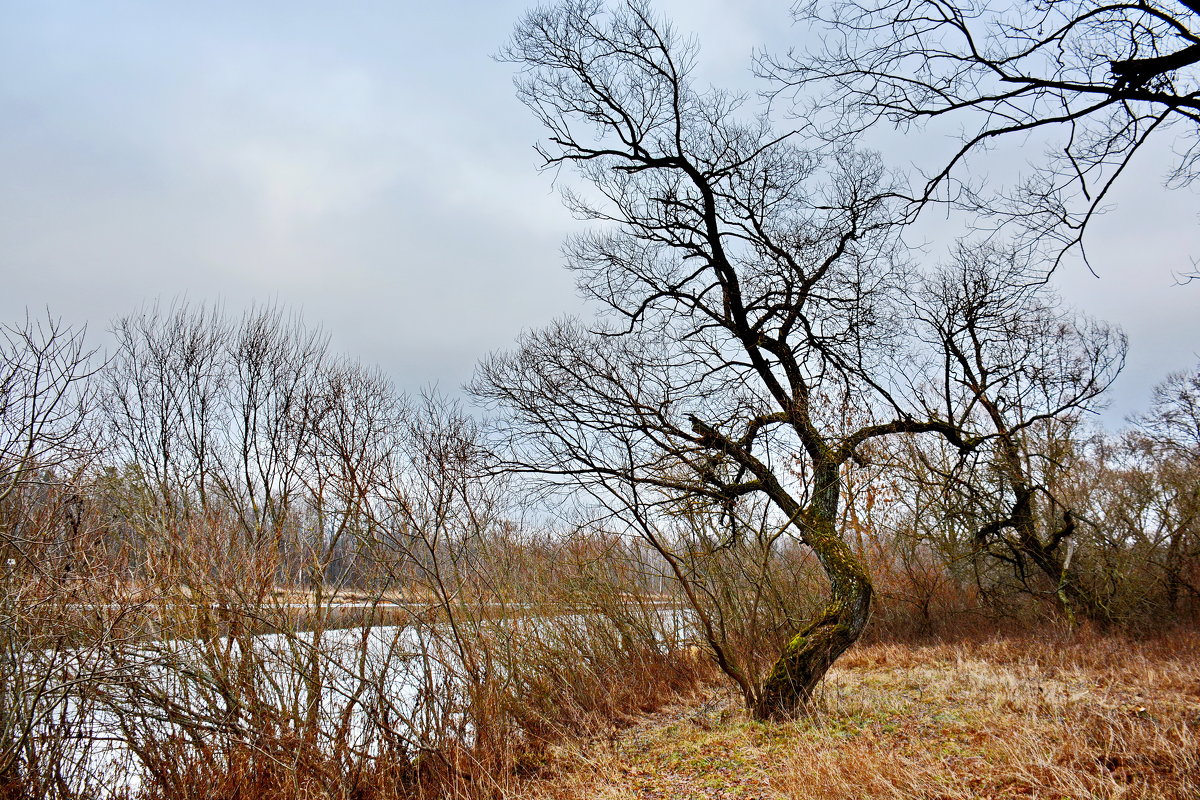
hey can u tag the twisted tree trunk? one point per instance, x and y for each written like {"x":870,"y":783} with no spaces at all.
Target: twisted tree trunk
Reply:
{"x":810,"y":653}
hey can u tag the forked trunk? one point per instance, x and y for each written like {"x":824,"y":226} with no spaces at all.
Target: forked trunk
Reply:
{"x":1074,"y":599}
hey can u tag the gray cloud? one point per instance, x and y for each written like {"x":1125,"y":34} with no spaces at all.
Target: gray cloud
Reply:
{"x":368,"y":163}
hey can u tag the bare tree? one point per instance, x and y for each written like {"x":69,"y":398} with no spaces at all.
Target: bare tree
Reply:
{"x":164,"y":404}
{"x":749,"y":288}
{"x":45,"y":399}
{"x":1168,"y":437}
{"x":57,"y":588}
{"x":1019,"y":369}
{"x":212,"y":414}
{"x":1100,"y":79}
{"x":1173,"y":421}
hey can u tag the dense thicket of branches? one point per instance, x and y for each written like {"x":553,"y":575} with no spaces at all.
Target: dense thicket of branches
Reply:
{"x":233,"y":562}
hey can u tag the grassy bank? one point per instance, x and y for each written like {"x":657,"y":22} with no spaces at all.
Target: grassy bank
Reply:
{"x":1076,"y":716}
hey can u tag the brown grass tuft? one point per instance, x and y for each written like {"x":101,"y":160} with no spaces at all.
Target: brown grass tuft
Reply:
{"x":1063,"y":717}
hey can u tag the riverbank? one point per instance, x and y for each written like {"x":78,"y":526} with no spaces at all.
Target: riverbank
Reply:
{"x":1078,"y":716}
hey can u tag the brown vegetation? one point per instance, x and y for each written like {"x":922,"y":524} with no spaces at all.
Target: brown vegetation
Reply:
{"x":321,"y":590}
{"x":1075,"y":716}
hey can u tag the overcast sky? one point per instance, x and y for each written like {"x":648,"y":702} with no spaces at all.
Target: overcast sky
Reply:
{"x":368,"y":164}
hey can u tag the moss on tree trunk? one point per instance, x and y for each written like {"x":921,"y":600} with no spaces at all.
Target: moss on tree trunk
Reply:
{"x":809,"y":654}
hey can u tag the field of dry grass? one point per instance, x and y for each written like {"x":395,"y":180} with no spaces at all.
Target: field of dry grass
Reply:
{"x":1066,"y":716}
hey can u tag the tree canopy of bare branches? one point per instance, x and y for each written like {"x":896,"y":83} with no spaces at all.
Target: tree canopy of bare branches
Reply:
{"x":1099,"y":78}
{"x":750,"y":287}
{"x":1019,"y":369}
{"x":45,"y":398}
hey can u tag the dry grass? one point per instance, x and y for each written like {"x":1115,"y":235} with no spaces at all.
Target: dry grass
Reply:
{"x":1060,"y":717}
